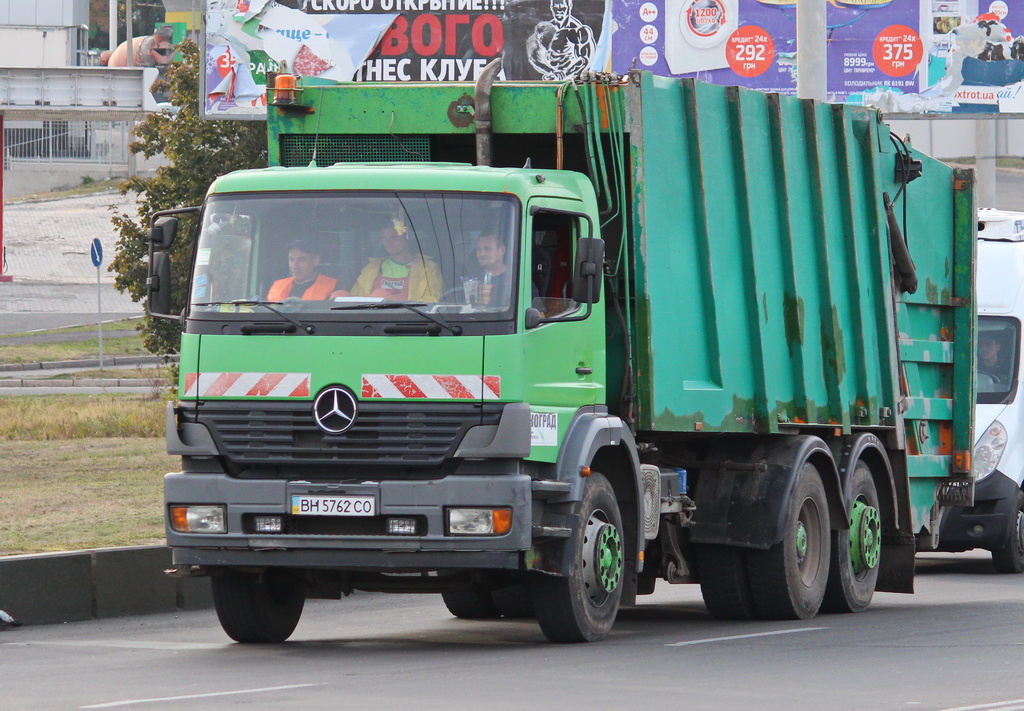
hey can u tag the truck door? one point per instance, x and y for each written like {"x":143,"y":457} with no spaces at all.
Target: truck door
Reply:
{"x":565,"y":359}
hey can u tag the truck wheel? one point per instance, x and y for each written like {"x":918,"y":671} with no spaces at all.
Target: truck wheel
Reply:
{"x":254,"y":608}
{"x":787,"y":581}
{"x":473,"y":604}
{"x":856,"y":552}
{"x":1010,"y":558}
{"x":513,"y":601}
{"x":723,"y":582}
{"x":581,"y":606}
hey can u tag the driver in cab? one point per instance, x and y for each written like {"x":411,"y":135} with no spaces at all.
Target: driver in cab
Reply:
{"x":306,"y":281}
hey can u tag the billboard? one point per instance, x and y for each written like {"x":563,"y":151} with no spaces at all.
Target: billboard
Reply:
{"x":393,"y":40}
{"x":902,"y":56}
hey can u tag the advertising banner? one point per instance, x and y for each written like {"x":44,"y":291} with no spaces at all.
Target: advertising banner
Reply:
{"x":394,"y":40}
{"x":902,"y":56}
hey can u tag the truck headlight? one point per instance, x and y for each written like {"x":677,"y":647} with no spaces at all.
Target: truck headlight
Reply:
{"x":198,"y":519}
{"x":989,"y":450}
{"x":479,"y":522}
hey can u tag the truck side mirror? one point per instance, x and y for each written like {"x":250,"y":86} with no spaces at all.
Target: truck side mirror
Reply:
{"x":158,"y":285}
{"x":586,"y":280}
{"x":163,"y":232}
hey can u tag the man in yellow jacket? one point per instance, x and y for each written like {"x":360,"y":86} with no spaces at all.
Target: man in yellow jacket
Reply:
{"x":305,"y":281}
{"x":403,"y":275}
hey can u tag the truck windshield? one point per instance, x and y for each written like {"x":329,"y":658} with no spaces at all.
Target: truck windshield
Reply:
{"x":998,"y":359}
{"x":452,"y":253}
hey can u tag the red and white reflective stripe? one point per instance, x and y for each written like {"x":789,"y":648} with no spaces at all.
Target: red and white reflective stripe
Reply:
{"x":246,"y":385}
{"x":432,"y":387}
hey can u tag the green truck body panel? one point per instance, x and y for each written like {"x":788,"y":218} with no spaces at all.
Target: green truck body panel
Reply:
{"x":763,"y":278}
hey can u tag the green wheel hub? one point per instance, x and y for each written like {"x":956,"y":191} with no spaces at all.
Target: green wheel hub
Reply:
{"x":801,"y":541}
{"x":865,"y":537}
{"x":609,"y":558}
{"x":602,"y":558}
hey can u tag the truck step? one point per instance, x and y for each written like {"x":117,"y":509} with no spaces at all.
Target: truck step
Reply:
{"x":549,"y":488}
{"x":551,"y":532}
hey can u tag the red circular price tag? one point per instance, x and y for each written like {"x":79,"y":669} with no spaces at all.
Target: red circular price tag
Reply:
{"x":898,"y":50}
{"x":750,"y":51}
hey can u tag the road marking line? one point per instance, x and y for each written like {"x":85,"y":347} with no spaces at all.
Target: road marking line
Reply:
{"x":748,"y":636}
{"x":195,"y":696}
{"x":125,"y":644}
{"x":1000,"y":705}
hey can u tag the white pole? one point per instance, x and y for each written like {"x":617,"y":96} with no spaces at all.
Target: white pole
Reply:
{"x":811,"y":50}
{"x":129,"y":32}
{"x":113,"y":25}
{"x":985,"y":151}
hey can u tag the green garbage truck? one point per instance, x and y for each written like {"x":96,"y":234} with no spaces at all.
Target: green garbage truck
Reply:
{"x":536,"y":346}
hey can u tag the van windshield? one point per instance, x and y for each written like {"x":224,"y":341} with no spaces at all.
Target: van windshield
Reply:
{"x":328,"y":253}
{"x":998,"y":358}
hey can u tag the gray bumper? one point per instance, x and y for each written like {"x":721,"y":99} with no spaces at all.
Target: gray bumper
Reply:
{"x":427,"y":499}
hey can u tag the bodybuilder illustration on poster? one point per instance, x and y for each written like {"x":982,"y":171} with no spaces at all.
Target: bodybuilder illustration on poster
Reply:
{"x":551,"y":39}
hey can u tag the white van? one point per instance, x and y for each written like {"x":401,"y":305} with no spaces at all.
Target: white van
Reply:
{"x":996,"y":521}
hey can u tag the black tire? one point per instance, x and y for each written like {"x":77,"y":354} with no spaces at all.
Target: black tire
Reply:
{"x":513,"y":601}
{"x":785,"y":583}
{"x":724,"y":584}
{"x":853,"y":573}
{"x":475,"y":604}
{"x":581,"y":607}
{"x":258,"y":608}
{"x":1010,"y":558}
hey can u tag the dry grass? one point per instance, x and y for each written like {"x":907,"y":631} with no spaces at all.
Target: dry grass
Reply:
{"x":70,"y":350}
{"x":63,"y":417}
{"x":151,"y":374}
{"x":82,"y":493}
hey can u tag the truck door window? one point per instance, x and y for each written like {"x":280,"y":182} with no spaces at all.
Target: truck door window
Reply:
{"x":553,"y":235}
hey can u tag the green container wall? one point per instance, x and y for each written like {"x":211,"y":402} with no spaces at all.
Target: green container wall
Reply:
{"x":763,"y":287}
{"x":764,"y":283}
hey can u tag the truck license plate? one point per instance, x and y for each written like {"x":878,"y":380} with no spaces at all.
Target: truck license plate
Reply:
{"x":305,"y":505}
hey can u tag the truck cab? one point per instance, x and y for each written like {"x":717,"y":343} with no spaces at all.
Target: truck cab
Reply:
{"x":996,"y":521}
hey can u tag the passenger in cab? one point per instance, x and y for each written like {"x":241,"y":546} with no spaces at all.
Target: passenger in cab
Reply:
{"x":405,"y":274}
{"x":306,"y":281}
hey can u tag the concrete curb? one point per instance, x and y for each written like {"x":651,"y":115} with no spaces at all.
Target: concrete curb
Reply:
{"x":158,"y":383}
{"x":52,"y":588}
{"x":94,"y":363}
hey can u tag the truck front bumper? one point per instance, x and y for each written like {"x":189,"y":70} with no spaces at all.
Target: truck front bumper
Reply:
{"x":425,"y":500}
{"x":987,"y":523}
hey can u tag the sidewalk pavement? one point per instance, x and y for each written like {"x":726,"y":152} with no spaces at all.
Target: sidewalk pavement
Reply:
{"x":47,"y":256}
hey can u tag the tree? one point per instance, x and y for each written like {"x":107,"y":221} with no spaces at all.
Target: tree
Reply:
{"x":199,"y":150}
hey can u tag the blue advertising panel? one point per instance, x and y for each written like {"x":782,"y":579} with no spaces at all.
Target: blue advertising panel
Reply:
{"x":903,"y":56}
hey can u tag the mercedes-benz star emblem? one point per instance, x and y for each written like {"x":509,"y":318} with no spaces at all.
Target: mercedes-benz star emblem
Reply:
{"x":335,"y":409}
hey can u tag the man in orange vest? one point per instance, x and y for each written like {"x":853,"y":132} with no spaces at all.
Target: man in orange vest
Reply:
{"x":305,"y":281}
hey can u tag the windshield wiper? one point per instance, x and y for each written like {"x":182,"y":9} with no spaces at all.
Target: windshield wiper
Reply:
{"x":413,"y":306}
{"x":268,"y":305}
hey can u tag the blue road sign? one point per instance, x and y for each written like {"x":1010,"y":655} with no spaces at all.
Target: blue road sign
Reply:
{"x":96,"y":252}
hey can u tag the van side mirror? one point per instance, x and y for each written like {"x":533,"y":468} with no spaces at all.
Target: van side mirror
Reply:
{"x":163,"y":232}
{"x":158,"y":285}
{"x":586,"y":279}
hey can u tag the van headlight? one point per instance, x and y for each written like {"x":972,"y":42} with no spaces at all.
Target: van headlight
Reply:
{"x":989,"y":450}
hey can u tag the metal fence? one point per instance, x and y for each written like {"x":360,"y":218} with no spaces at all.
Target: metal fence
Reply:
{"x":67,"y":140}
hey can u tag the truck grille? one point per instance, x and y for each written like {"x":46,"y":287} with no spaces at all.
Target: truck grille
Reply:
{"x":297,"y":149}
{"x":385,"y":434}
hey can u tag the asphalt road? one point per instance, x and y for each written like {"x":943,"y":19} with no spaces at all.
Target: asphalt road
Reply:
{"x":954,"y":644}
{"x":1009,"y":190}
